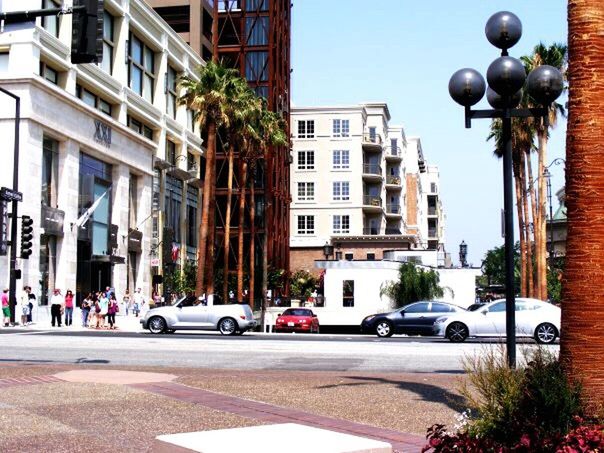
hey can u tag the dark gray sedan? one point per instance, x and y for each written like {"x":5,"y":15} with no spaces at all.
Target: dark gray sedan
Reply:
{"x":414,"y":319}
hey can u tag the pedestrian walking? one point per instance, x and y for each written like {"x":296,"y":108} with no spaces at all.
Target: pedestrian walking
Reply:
{"x":68,"y":308}
{"x":5,"y":307}
{"x":56,"y":307}
{"x":24,"y":305}
{"x":127,"y":302}
{"x":86,"y":304}
{"x":32,"y":299}
{"x":102,"y":314}
{"x":139,"y":300}
{"x":112,"y":309}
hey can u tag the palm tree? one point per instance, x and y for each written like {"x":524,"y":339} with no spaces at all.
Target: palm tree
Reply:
{"x":582,"y":343}
{"x":206,"y":96}
{"x":240,"y":108}
{"x":554,"y":55}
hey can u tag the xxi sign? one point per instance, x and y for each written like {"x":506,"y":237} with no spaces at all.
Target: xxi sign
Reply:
{"x":102,"y":133}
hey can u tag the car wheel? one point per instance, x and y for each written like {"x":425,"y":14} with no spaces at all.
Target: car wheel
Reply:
{"x":384,"y":329}
{"x":546,"y":333}
{"x":157,"y":324}
{"x":227,"y":326}
{"x":457,"y":332}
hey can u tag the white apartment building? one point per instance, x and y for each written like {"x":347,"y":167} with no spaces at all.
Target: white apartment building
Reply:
{"x":356,"y":184}
{"x":111,"y":132}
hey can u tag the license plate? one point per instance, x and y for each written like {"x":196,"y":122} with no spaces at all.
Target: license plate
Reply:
{"x":290,"y":324}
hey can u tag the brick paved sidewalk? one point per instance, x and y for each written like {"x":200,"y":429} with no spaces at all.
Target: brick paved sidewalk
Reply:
{"x":269,"y":413}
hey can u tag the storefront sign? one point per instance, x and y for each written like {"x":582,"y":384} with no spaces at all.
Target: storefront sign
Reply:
{"x":52,"y":221}
{"x":135,"y":239}
{"x":102,"y":133}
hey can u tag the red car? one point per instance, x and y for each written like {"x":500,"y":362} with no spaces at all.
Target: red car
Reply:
{"x":297,"y":320}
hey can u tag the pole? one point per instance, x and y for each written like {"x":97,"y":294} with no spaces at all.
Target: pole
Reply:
{"x":508,"y":203}
{"x":551,"y":223}
{"x":12,"y":287}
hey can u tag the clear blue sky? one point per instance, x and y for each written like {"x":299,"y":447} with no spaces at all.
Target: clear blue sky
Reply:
{"x":404,"y":52}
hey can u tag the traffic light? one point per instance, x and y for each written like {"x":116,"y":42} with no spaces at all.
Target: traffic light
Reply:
{"x":26,"y":236}
{"x":87,"y":31}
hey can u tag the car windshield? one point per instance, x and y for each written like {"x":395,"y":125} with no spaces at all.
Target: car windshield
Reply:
{"x":187,"y":301}
{"x":297,"y":312}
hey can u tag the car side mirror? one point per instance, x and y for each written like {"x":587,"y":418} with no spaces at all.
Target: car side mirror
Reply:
{"x":278,"y":314}
{"x":314,"y":315}
{"x":403,"y":314}
{"x":484,"y":312}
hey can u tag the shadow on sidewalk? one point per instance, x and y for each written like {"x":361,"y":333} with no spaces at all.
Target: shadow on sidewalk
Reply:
{"x":428,"y":392}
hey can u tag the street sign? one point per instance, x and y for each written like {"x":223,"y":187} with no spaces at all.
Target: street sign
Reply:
{"x":3,"y":227}
{"x":10,"y":195}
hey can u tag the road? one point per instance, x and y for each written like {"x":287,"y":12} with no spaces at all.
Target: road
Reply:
{"x":251,"y":351}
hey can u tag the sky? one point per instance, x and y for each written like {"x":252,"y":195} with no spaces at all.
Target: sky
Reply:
{"x":404,"y":52}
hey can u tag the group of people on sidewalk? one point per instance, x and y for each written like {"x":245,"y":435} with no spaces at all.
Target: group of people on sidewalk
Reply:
{"x":23,"y":308}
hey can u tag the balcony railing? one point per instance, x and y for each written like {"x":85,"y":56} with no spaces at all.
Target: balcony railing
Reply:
{"x":431,"y":210}
{"x":372,"y":169}
{"x":372,"y":138}
{"x":395,"y":152}
{"x":372,"y":200}
{"x":432,"y":232}
{"x":393,"y":208}
{"x":394,"y":180}
{"x":371,"y":231}
{"x":393,"y":231}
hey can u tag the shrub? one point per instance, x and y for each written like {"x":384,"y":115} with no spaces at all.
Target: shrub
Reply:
{"x":533,"y":408}
{"x":302,"y":284}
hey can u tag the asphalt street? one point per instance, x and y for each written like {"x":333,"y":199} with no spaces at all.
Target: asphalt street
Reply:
{"x":248,"y":352}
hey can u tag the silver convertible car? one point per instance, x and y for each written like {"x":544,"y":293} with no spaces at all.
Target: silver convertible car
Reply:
{"x":188,"y":313}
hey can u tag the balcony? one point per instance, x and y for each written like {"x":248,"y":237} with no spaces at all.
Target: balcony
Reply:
{"x":372,"y":142}
{"x":372,"y":172}
{"x":371,"y":231}
{"x":393,"y":230}
{"x":432,"y":211}
{"x":372,"y":203}
{"x":393,"y":154}
{"x":432,"y":232}
{"x":393,"y":210}
{"x":393,"y":182}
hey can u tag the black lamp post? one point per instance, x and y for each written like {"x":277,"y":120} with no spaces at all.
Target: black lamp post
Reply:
{"x":506,"y":78}
{"x":463,"y":254}
{"x":327,"y":250}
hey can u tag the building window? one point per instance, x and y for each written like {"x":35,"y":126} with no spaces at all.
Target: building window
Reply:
{"x":256,"y":66}
{"x":306,"y":191}
{"x":306,"y":160}
{"x":341,"y":224}
{"x":49,"y":73}
{"x":171,"y":78}
{"x":192,"y":223}
{"x":192,"y":164}
{"x":50,"y":169}
{"x":140,"y":127}
{"x":394,"y":146}
{"x":348,"y":292}
{"x":306,"y":224}
{"x":341,"y":191}
{"x":108,"y":43}
{"x":173,"y":203}
{"x":171,"y":152}
{"x":341,"y":159}
{"x":190,"y":120}
{"x":141,"y":68}
{"x":433,"y":187}
{"x":349,"y":256}
{"x":177,"y":17}
{"x":341,"y":128}
{"x":93,"y":100}
{"x":371,"y":257}
{"x":306,"y":129}
{"x":51,"y":23}
{"x":257,"y":5}
{"x":256,"y":30}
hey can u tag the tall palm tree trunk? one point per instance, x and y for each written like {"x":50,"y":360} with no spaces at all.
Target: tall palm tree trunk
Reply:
{"x":242,"y":184}
{"x":210,"y":256}
{"x":227,"y":226}
{"x":526,"y":227}
{"x":542,"y":137}
{"x":582,"y":342}
{"x":205,"y":209}
{"x":535,"y":215}
{"x":521,"y":229}
{"x":252,"y":236}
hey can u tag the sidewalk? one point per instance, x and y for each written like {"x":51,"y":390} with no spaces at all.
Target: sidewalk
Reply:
{"x":42,"y":321}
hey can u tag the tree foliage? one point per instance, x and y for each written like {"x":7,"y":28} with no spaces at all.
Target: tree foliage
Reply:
{"x":302,"y":284}
{"x":182,"y":281}
{"x":493,"y":266}
{"x":414,"y":284}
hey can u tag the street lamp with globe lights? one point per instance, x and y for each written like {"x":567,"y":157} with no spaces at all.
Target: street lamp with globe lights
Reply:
{"x":506,"y":79}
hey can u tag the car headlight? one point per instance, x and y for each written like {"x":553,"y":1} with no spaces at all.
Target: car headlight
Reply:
{"x":303,"y":321}
{"x":279,"y":320}
{"x":369,"y":318}
{"x":440,"y":320}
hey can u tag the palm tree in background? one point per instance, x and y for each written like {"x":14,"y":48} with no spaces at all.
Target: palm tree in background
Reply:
{"x":553,"y":55}
{"x":207,"y":97}
{"x":581,"y":340}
